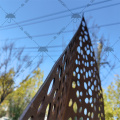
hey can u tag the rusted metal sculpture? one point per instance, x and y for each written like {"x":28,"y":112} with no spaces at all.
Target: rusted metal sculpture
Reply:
{"x":76,"y":92}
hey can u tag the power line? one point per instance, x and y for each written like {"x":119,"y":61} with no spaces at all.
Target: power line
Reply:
{"x":55,"y":18}
{"x":57,"y":46}
{"x":49,"y":15}
{"x":44,"y":56}
{"x":48,"y":34}
{"x":58,"y":17}
{"x":39,"y":46}
{"x":48,"y":51}
{"x":106,"y":25}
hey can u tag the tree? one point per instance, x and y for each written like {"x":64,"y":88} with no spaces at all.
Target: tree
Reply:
{"x":20,"y":98}
{"x":99,"y":45}
{"x":6,"y":84}
{"x":9,"y":71}
{"x":2,"y":113}
{"x":112,"y":100}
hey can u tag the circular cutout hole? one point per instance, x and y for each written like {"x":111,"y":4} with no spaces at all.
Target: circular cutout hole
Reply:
{"x":73,"y":84}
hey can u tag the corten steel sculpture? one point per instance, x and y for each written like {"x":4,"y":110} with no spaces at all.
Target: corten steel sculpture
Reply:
{"x":76,"y":92}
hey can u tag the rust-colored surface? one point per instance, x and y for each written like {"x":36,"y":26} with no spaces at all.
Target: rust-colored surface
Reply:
{"x":76,"y":92}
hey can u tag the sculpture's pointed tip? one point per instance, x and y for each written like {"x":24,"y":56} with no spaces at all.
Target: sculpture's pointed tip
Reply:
{"x":83,"y":16}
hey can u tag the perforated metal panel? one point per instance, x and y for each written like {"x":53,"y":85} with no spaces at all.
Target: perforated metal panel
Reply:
{"x":72,"y":90}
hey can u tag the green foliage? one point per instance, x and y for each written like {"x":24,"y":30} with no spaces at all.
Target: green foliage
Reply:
{"x":2,"y":113}
{"x":21,"y":97}
{"x":6,"y":84}
{"x":10,"y":71}
{"x":15,"y":109}
{"x":112,"y":100}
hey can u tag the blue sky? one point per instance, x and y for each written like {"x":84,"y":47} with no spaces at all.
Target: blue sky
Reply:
{"x":46,"y":17}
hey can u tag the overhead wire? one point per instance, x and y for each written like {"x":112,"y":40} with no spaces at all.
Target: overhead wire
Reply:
{"x":55,"y":18}
{"x":49,"y":15}
{"x":52,"y":18}
{"x":48,"y":34}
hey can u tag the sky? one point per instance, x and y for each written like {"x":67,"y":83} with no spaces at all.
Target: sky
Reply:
{"x":35,"y":23}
